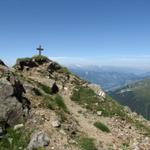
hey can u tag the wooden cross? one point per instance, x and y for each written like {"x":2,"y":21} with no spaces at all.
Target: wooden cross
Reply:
{"x":40,"y":49}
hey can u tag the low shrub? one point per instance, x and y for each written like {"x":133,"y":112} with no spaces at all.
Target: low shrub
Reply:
{"x":45,"y":88}
{"x":55,"y":102}
{"x":87,"y":144}
{"x":60,"y":103}
{"x":102,"y":127}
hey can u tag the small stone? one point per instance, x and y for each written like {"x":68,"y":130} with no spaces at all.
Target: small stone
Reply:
{"x":62,"y":132}
{"x":72,"y":141}
{"x":56,"y":124}
{"x":18,"y":126}
{"x":65,"y":88}
{"x":99,"y":113}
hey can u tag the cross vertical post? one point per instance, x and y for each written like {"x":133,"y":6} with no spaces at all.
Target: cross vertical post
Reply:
{"x":40,"y":49}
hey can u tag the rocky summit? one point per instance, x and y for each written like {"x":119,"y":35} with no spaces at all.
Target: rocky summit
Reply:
{"x":46,"y":107}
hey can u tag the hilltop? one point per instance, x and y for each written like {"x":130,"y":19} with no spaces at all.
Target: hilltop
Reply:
{"x":45,"y":106}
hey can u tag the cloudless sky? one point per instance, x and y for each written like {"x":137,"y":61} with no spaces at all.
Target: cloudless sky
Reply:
{"x":105,"y":32}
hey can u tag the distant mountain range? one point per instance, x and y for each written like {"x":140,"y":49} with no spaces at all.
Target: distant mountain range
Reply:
{"x":109,"y":78}
{"x":136,"y":96}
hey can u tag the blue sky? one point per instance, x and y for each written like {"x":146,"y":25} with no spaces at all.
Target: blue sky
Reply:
{"x":103,"y":32}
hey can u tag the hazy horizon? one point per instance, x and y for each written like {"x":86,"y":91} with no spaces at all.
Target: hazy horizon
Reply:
{"x":101,"y":63}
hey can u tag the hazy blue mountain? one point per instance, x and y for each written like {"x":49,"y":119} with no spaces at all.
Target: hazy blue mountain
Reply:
{"x":109,"y":78}
{"x":146,"y":74}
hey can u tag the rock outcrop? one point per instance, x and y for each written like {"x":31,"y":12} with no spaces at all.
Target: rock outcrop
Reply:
{"x":27,"y":63}
{"x":3,"y":69}
{"x":97,"y":89}
{"x":11,"y":108}
{"x":12,"y":102}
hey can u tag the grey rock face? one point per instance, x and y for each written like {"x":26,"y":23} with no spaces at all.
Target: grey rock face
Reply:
{"x":12,"y":102}
{"x":10,"y":108}
{"x":39,"y":139}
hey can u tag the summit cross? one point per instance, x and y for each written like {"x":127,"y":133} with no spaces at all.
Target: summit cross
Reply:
{"x":40,"y":49}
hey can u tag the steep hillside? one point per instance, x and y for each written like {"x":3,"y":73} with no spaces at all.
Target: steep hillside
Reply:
{"x":46,"y":107}
{"x":109,"y":80}
{"x":136,"y":96}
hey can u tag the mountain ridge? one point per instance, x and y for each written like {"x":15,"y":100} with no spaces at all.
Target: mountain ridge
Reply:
{"x":109,"y":80}
{"x":64,"y":112}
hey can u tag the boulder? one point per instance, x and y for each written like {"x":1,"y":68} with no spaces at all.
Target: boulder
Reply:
{"x":12,"y":102}
{"x":39,"y":139}
{"x":55,"y":89}
{"x":10,"y":108}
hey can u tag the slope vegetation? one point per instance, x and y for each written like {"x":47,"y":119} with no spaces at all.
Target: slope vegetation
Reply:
{"x":136,"y":96}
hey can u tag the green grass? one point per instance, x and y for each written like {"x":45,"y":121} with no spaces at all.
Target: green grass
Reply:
{"x":24,"y":59}
{"x":64,"y":70}
{"x":41,"y":57}
{"x":37,"y":92}
{"x":49,"y":102}
{"x":139,"y":125}
{"x":60,"y":102}
{"x":102,"y":127}
{"x":87,"y":144}
{"x":55,"y":102}
{"x":86,"y":97}
{"x":111,"y":108}
{"x":14,"y":140}
{"x":45,"y":88}
{"x":36,"y":58}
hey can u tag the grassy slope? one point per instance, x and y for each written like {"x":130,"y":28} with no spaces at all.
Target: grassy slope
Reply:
{"x":138,"y":98}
